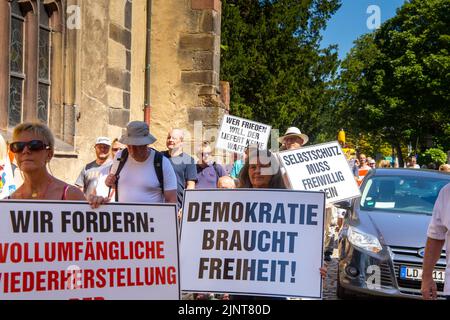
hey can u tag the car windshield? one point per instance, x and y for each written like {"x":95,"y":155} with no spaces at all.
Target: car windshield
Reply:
{"x":409,"y":194}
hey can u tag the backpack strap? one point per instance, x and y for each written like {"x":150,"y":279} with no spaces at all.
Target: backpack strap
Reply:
{"x":123,"y":158}
{"x":216,"y":169}
{"x":158,"y":164}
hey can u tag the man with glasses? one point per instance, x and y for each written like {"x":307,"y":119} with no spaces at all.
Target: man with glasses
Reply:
{"x":116,"y":146}
{"x":293,"y":139}
{"x":93,"y":175}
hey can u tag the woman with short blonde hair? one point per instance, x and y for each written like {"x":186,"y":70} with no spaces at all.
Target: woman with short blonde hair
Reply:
{"x":33,"y":146}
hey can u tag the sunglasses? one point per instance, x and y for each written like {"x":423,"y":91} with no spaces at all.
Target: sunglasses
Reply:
{"x":116,"y":149}
{"x":33,"y":145}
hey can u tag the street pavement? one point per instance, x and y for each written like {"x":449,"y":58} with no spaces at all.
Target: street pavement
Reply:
{"x":329,"y":288}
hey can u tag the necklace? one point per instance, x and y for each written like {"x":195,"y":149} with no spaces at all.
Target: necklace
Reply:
{"x":34,"y":194}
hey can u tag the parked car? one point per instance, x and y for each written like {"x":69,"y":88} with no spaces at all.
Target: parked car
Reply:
{"x":382,"y":240}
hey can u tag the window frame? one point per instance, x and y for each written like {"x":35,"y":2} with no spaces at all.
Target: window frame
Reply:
{"x":40,"y":81}
{"x":61,"y":117}
{"x":14,"y":74}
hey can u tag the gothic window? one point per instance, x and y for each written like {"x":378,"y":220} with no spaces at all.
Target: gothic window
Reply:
{"x":30,"y":39}
{"x":31,"y":63}
{"x":43,"y":64}
{"x":17,"y":76}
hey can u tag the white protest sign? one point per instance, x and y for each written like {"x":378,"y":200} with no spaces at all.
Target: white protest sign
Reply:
{"x":66,"y":250}
{"x":252,"y":242}
{"x":322,"y":167}
{"x":237,"y":133}
{"x":7,"y":183}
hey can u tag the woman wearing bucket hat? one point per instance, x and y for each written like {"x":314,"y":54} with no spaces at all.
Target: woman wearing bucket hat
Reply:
{"x":293,"y":139}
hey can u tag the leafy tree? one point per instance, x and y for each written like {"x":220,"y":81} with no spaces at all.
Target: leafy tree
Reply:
{"x":271,"y":57}
{"x":433,"y":155}
{"x":394,"y":82}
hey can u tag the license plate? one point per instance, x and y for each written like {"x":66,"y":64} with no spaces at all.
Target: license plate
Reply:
{"x":412,"y":273}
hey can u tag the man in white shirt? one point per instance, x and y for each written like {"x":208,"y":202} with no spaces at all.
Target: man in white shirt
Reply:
{"x":138,"y":179}
{"x":92,"y":177}
{"x":294,"y":139}
{"x":437,"y":236}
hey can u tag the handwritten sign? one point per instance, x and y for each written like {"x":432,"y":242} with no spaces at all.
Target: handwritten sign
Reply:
{"x":236,"y":134}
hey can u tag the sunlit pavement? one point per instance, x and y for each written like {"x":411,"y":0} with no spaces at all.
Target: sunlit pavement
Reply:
{"x":329,"y":288}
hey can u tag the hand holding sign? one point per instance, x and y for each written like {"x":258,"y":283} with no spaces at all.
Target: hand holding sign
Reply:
{"x":96,"y":201}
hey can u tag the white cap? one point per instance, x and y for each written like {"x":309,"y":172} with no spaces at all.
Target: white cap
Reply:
{"x":103,"y":140}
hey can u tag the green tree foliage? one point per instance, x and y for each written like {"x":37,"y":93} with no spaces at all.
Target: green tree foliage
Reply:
{"x":271,"y":57}
{"x":395,"y":82}
{"x":433,"y":155}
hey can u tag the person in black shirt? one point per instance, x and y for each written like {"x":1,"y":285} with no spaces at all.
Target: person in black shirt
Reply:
{"x":183,"y":164}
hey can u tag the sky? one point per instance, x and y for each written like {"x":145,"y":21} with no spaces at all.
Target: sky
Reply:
{"x":350,"y":21}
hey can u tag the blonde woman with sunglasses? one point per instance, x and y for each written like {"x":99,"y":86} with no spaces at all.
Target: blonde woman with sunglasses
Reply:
{"x":33,"y":146}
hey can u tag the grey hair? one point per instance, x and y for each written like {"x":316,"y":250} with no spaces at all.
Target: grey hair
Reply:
{"x":179,"y":130}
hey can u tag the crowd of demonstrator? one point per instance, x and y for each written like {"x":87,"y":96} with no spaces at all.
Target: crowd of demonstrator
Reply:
{"x":128,"y":170}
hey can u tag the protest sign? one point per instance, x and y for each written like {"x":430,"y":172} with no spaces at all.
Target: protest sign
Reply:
{"x":66,"y":250}
{"x":322,"y":167}
{"x":252,"y":242}
{"x":7,"y":183}
{"x":236,"y":134}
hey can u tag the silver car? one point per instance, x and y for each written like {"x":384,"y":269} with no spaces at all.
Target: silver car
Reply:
{"x":381,"y":243}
